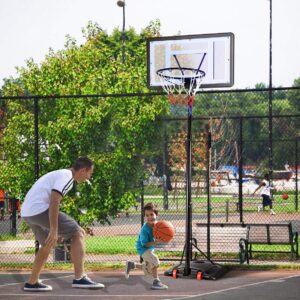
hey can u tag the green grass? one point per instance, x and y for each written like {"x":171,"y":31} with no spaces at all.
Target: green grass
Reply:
{"x":9,"y":237}
{"x":111,"y":244}
{"x":218,"y":203}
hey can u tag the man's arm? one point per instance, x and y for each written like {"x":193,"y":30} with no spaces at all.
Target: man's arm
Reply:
{"x":53,"y":219}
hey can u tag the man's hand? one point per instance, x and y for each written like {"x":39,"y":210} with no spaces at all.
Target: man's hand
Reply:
{"x":51,"y":239}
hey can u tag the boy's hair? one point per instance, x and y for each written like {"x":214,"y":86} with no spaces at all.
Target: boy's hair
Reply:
{"x":82,"y":162}
{"x":266,"y":176}
{"x":150,"y":206}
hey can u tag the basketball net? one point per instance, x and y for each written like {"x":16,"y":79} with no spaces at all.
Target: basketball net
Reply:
{"x":181,"y":85}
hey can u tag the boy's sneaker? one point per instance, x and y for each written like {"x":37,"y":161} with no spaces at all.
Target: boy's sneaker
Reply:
{"x":259,"y":207}
{"x":158,"y":285}
{"x":86,"y":283}
{"x":130,"y":265}
{"x":272,"y":212}
{"x":37,"y":287}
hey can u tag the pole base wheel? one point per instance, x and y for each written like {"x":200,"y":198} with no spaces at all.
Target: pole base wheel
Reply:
{"x":199,"y":275}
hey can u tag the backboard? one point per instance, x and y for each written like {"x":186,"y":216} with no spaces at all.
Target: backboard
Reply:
{"x":211,"y":53}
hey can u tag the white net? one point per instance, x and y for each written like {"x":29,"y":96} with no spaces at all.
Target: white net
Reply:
{"x":181,"y":84}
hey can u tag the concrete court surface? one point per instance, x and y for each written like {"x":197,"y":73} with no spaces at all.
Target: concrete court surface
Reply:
{"x":236,"y":284}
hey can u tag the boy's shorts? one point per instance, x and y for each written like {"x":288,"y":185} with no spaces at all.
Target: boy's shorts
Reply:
{"x":150,"y":261}
{"x":40,"y":226}
{"x":266,"y":200}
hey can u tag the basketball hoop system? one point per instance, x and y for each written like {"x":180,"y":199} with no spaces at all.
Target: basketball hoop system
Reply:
{"x":181,"y":84}
{"x":178,"y":65}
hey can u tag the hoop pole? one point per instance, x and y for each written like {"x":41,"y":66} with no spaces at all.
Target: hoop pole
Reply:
{"x":188,"y":222}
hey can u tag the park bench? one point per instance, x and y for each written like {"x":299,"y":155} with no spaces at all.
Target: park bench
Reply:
{"x":273,"y":234}
{"x":229,"y":238}
{"x":179,"y":185}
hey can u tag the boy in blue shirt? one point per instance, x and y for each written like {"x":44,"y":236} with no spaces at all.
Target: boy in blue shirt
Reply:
{"x":145,"y":247}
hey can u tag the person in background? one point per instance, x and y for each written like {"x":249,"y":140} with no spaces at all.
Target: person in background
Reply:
{"x":266,"y":194}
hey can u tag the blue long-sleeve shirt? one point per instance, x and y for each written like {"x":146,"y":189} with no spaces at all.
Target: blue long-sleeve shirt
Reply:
{"x":145,"y":236}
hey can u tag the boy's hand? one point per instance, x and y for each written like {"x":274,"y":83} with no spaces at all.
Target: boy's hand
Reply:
{"x":158,"y":241}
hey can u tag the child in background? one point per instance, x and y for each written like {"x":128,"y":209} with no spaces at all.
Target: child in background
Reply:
{"x":266,"y":194}
{"x":145,"y":247}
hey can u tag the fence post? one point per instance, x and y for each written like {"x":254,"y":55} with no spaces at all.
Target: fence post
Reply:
{"x":240,"y":164}
{"x":13,"y":230}
{"x":142,"y":202}
{"x":208,"y":153}
{"x":296,"y":173}
{"x":165,"y":171}
{"x":142,"y":205}
{"x":36,"y":150}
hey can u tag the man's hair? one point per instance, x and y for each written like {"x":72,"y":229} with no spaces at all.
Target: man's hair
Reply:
{"x":150,"y":206}
{"x":82,"y":162}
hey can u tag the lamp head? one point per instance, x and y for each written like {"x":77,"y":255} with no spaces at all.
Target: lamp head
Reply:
{"x":121,"y":3}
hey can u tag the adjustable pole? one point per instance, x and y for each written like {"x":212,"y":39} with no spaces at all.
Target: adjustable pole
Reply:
{"x":188,"y":231}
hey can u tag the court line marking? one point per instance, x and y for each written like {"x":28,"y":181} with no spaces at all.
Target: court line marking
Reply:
{"x":48,"y":294}
{"x":235,"y":288}
{"x":22,"y":282}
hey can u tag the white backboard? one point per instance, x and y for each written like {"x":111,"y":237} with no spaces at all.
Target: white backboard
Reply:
{"x":213,"y":52}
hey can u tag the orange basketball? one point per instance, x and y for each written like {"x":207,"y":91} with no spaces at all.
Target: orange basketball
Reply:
{"x":285,"y":196}
{"x":163,"y":230}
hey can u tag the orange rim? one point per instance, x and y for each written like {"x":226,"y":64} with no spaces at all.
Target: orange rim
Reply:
{"x":174,"y":274}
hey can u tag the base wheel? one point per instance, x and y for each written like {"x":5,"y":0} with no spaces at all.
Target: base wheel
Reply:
{"x":175,"y":274}
{"x":199,"y":275}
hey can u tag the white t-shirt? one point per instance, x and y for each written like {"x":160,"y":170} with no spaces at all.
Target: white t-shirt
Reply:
{"x":37,"y":199}
{"x":266,"y":189}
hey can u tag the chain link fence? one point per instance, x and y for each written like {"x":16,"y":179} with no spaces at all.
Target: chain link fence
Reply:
{"x":228,"y":222}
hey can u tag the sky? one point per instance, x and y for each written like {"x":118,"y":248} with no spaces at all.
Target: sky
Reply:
{"x":28,"y":28}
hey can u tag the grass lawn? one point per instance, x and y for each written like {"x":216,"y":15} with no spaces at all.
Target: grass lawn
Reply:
{"x":219,"y":203}
{"x":111,"y":244}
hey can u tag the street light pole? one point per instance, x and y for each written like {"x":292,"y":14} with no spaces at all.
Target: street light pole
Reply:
{"x":270,"y":101}
{"x":121,"y":3}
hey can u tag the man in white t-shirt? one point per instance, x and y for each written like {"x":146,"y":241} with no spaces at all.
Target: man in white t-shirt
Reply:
{"x":266,"y":194}
{"x":41,"y":212}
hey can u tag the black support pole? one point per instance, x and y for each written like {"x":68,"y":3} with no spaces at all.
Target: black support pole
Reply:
{"x":188,"y":221}
{"x":123,"y":35}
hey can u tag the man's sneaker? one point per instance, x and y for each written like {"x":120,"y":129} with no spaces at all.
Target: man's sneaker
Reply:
{"x":158,"y":285}
{"x":86,"y":283}
{"x":259,"y":207}
{"x":37,"y":287}
{"x":130,"y":265}
{"x":272,"y":212}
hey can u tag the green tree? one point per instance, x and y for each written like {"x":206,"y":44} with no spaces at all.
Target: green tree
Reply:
{"x":115,"y":132}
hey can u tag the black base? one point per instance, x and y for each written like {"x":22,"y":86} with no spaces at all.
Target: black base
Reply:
{"x":209,"y":270}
